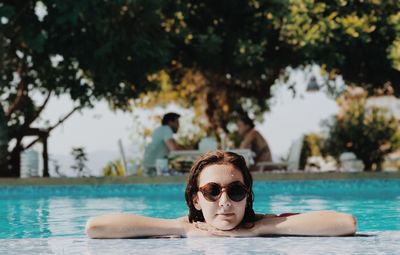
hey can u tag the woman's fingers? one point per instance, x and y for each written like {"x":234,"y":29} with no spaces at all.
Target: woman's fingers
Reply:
{"x":237,"y":232}
{"x":212,"y":230}
{"x":203,"y":226}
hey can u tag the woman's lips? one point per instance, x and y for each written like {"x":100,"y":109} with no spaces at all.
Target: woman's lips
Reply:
{"x":225,"y":214}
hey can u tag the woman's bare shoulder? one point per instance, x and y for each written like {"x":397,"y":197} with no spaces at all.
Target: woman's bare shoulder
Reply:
{"x":183,"y":219}
{"x":260,"y":216}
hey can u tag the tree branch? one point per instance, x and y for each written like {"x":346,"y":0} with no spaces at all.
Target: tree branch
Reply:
{"x":37,"y":113}
{"x":53,"y":127}
{"x":65,"y":118}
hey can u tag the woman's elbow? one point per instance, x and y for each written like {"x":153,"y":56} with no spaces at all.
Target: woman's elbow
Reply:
{"x":93,"y":229}
{"x":349,"y":224}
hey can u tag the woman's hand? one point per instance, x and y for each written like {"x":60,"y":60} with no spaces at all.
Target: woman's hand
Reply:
{"x":236,"y":232}
{"x":244,"y":231}
{"x":191,"y":230}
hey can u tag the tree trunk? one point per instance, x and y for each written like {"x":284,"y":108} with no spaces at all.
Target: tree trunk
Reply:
{"x":15,"y":162}
{"x":211,"y":114}
{"x":4,"y":139}
{"x":4,"y":160}
{"x":367,"y":165}
{"x":45,"y":156}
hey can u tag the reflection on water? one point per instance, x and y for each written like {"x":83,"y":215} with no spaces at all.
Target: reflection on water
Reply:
{"x":26,"y":218}
{"x":66,"y":216}
{"x":281,"y":204}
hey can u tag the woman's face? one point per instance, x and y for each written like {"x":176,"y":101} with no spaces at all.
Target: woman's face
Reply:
{"x":224,"y":213}
{"x":243,"y":128}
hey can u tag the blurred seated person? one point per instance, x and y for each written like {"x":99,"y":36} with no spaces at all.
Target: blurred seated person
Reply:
{"x":253,"y":140}
{"x":162,"y":142}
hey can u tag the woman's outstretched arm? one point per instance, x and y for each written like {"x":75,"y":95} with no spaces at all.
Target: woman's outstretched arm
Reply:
{"x":318,"y":223}
{"x":128,"y":225}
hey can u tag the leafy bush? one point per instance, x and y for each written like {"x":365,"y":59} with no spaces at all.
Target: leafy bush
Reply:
{"x":312,"y":146}
{"x":370,"y":133}
{"x":80,"y":160}
{"x":115,"y":168}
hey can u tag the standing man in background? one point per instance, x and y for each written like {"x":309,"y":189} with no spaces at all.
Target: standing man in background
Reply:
{"x":162,"y":142}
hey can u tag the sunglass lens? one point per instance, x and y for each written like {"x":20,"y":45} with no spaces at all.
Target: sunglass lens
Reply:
{"x":237,"y":192}
{"x":212,"y":191}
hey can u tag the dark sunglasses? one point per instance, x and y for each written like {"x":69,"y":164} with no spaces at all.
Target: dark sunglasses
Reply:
{"x":236,"y":191}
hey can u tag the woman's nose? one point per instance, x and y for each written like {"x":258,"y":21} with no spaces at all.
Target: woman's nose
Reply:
{"x":224,"y":200}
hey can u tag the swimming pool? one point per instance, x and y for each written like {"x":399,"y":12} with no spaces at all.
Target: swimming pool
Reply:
{"x":51,"y":219}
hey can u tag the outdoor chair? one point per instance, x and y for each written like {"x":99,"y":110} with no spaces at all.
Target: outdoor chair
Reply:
{"x":291,"y":164}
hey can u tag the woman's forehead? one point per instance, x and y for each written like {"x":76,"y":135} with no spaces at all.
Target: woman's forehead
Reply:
{"x":220,"y":173}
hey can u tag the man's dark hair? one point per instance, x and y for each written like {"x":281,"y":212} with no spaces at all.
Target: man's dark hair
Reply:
{"x":246,"y":120}
{"x":171,"y":116}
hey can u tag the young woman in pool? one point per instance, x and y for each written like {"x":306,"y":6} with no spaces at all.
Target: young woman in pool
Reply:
{"x":220,"y":200}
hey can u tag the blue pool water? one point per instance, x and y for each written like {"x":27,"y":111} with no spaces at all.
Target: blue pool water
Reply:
{"x":51,"y":219}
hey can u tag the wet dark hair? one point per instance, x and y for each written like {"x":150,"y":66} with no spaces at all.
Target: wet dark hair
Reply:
{"x":218,"y":157}
{"x":171,"y":116}
{"x":246,"y":120}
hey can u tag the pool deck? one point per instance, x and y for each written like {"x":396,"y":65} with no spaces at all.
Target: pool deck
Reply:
{"x":266,"y":176}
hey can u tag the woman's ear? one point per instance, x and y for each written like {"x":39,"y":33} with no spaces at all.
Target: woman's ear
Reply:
{"x":196,"y":204}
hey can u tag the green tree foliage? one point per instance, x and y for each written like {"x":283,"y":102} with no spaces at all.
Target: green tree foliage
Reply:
{"x":225,"y":60}
{"x":114,"y":168}
{"x":356,"y":39}
{"x":88,"y":49}
{"x":220,"y":56}
{"x":369,"y":132}
{"x":312,"y":146}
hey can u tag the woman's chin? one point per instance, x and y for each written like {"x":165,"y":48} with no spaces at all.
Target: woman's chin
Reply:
{"x":225,"y":226}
